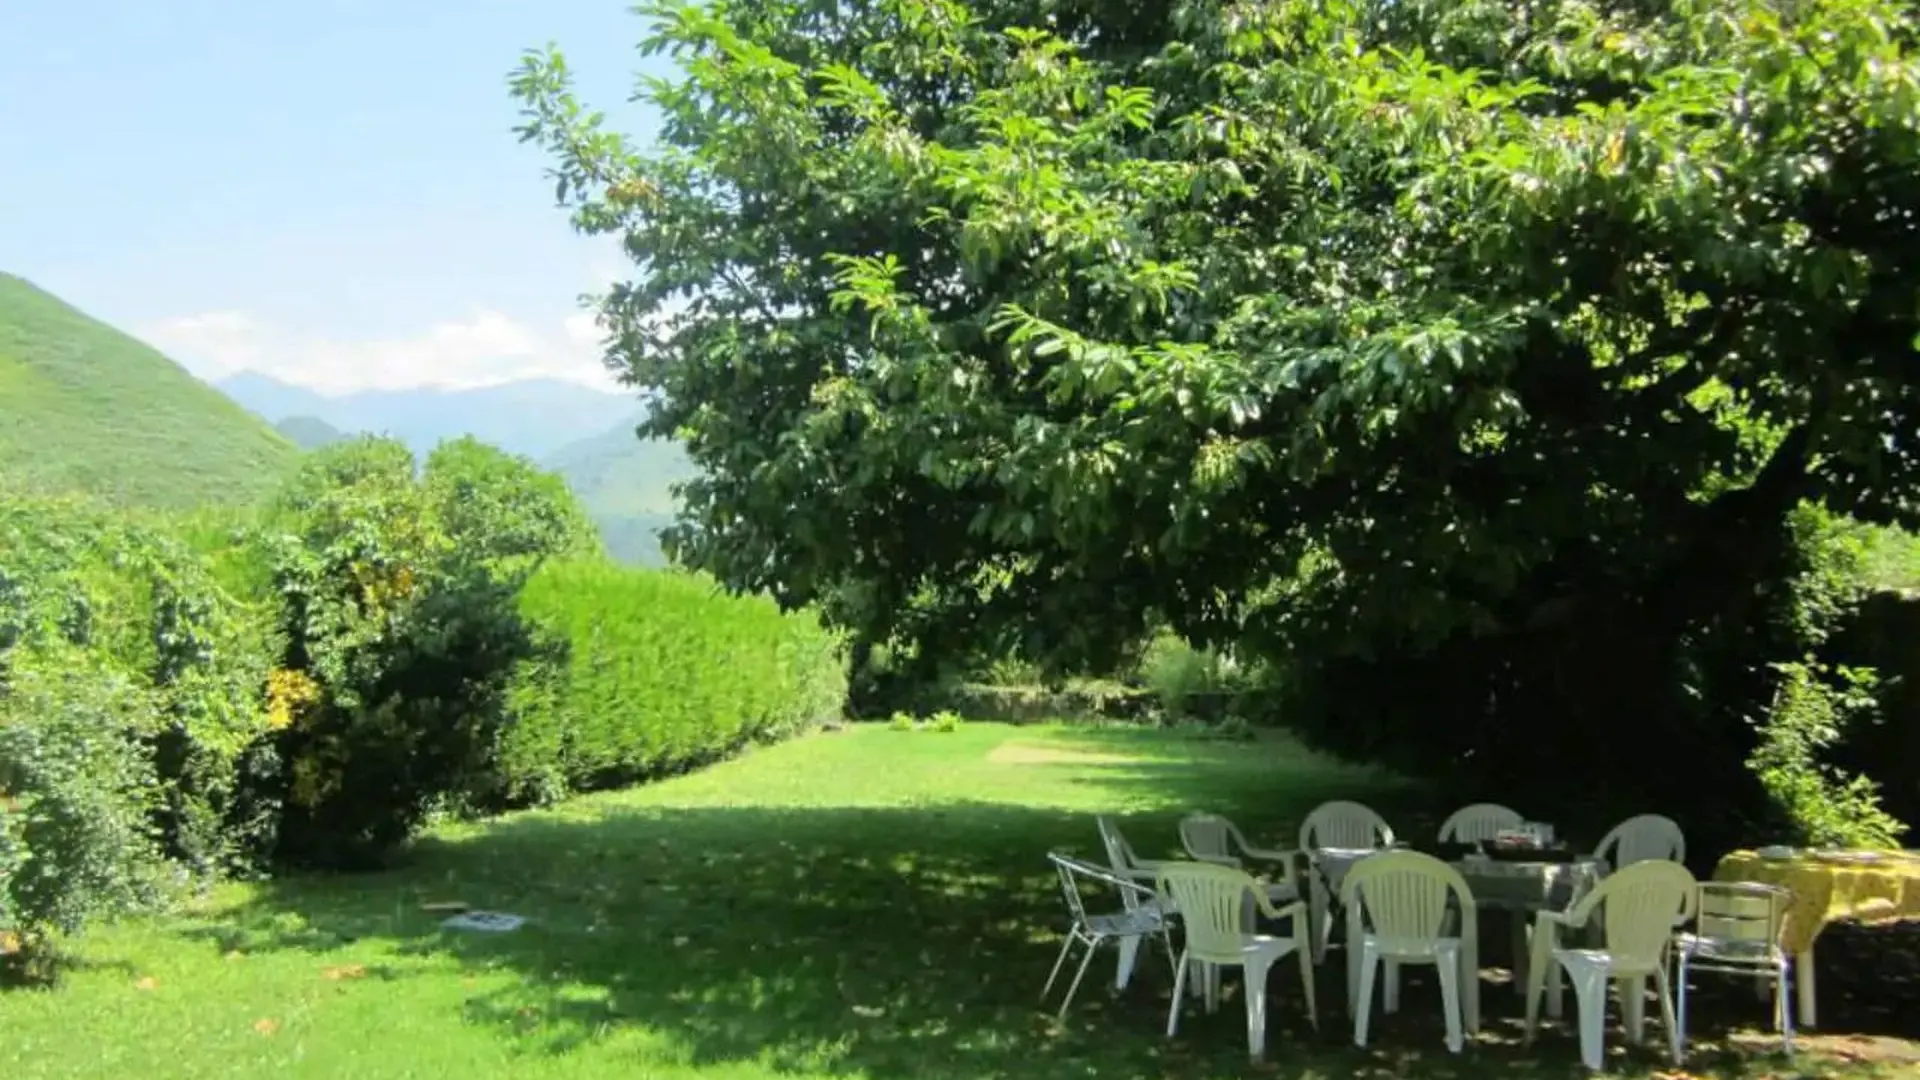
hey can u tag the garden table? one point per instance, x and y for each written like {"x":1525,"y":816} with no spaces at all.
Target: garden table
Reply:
{"x":1872,"y":887}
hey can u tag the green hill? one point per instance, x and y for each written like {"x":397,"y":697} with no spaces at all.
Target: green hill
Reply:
{"x":624,"y":482}
{"x":85,"y":408}
{"x":309,"y":432}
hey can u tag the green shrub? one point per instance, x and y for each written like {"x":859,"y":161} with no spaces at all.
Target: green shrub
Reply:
{"x":946,"y":720}
{"x":1811,"y":712}
{"x":137,"y":603}
{"x":903,"y":721}
{"x":78,"y":792}
{"x":1178,"y":673}
{"x":402,"y":635}
{"x":649,"y":672}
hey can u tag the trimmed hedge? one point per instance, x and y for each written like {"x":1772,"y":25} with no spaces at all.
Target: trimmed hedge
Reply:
{"x":649,"y":672}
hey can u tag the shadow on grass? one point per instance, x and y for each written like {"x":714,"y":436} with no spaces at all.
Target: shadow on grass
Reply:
{"x":901,"y":943}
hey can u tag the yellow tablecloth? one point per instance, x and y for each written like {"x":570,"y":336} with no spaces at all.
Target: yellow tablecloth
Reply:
{"x":1859,"y":886}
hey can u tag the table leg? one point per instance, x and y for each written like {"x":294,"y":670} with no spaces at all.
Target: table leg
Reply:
{"x":1803,"y":976}
{"x":1522,"y":947}
{"x":1319,"y":904}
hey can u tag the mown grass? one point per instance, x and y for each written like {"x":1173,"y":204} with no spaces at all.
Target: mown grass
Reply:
{"x":86,"y":409}
{"x":868,"y":904}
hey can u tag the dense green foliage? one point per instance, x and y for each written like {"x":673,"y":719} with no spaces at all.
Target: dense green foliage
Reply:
{"x":1471,"y":359}
{"x":188,"y":696}
{"x":85,"y":408}
{"x":649,"y":673}
{"x":129,"y":715}
{"x":402,"y":631}
{"x":77,"y":792}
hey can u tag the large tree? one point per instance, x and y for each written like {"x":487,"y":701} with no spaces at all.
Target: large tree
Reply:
{"x":1331,"y":328}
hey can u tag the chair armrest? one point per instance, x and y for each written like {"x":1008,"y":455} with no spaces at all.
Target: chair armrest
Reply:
{"x":1551,"y":922}
{"x":1289,"y":856}
{"x":1296,"y":909}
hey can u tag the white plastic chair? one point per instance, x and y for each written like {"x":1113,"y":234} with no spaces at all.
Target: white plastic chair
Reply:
{"x":1642,"y":838}
{"x":1738,"y":933}
{"x":1641,"y":905}
{"x":1397,"y":912}
{"x":1211,"y":838}
{"x":1127,"y":926}
{"x":1481,"y":821}
{"x":1128,"y":866}
{"x":1340,"y":826}
{"x":1212,"y":902}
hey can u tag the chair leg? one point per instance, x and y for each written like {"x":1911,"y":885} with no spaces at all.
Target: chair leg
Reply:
{"x":1074,"y":988}
{"x":1319,"y":908}
{"x":1537,"y":986}
{"x":1166,"y":942}
{"x":1680,"y":1008}
{"x":1390,"y":996}
{"x":1590,"y":998}
{"x":1066,"y":947}
{"x":1255,"y":973}
{"x":1663,"y":989}
{"x":1633,"y":1007}
{"x":1363,"y":992}
{"x":1449,"y":970}
{"x":1180,"y":968}
{"x":1306,"y":983}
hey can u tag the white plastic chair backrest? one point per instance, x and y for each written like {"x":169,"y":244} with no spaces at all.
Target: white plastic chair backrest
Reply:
{"x":1209,"y":838}
{"x":1742,"y":911}
{"x":1481,"y":821}
{"x":1212,"y":903}
{"x":1643,"y":903}
{"x":1638,"y":839}
{"x":1403,"y":895}
{"x":1344,"y":825}
{"x":1120,"y":855}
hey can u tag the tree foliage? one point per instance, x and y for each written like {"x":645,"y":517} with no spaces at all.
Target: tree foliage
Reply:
{"x":1329,"y":324}
{"x":1344,"y":331}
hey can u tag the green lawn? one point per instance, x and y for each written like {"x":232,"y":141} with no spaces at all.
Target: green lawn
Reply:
{"x":871,"y":904}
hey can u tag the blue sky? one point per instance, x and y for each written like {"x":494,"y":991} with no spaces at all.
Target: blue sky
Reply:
{"x":328,"y":191}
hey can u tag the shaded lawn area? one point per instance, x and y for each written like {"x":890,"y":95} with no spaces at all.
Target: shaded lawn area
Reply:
{"x":869,"y":904}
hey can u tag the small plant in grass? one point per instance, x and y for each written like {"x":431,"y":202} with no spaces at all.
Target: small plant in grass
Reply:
{"x":944,"y":720}
{"x":902,"y":721}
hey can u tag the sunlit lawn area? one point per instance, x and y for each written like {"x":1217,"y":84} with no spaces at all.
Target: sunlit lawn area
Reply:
{"x":871,"y":903}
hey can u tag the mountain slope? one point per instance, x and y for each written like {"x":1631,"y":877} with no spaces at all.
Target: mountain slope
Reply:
{"x":624,"y":482}
{"x":86,"y":408}
{"x":534,"y":417}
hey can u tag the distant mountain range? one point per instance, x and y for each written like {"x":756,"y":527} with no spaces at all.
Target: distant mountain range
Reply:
{"x":622,"y":480}
{"x":532,"y":417}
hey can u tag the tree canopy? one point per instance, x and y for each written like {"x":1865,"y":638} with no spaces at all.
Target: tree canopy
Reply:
{"x":1326,"y":327}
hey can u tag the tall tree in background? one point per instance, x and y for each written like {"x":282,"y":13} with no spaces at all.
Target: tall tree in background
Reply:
{"x":1501,"y":341}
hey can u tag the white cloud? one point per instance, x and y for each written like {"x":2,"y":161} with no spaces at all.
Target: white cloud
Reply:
{"x":485,"y":347}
